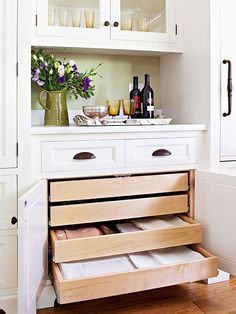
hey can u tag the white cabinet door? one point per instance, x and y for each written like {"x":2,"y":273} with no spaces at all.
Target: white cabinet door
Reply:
{"x":228,"y":52}
{"x":8,"y":264}
{"x":216,"y":209}
{"x":141,"y":20}
{"x":74,"y":18}
{"x":32,"y":247}
{"x":8,"y":201}
{"x":8,"y":82}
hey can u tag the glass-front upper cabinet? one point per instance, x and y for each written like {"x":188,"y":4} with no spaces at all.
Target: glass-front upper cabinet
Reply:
{"x":143,"y":20}
{"x":74,"y":18}
{"x":133,"y":20}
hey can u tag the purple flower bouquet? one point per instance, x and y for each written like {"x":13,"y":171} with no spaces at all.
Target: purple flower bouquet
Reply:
{"x":54,"y":75}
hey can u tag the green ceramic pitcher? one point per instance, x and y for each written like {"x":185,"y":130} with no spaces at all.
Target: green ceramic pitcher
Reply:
{"x":56,"y":113}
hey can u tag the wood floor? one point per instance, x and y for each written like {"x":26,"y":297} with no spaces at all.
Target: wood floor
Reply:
{"x":190,"y":298}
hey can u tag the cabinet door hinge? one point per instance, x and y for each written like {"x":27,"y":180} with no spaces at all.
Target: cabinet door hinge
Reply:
{"x":17,"y":69}
{"x":17,"y":149}
{"x":176,"y":29}
{"x":36,"y":20}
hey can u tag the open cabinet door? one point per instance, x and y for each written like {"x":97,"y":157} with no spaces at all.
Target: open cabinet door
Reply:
{"x":216,"y":209}
{"x":32,"y":246}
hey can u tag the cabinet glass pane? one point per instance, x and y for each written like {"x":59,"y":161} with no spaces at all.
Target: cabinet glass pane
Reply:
{"x":73,"y":13}
{"x":143,"y":15}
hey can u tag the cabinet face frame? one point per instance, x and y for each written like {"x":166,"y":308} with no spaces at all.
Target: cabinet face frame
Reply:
{"x":168,"y":37}
{"x":102,"y":32}
{"x":8,"y":198}
{"x":8,"y":83}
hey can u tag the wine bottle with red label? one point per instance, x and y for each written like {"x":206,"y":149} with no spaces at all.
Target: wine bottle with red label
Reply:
{"x":135,"y":96}
{"x":148,"y":99}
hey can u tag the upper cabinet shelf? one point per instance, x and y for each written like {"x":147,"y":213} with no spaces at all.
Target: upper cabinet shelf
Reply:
{"x":139,"y":25}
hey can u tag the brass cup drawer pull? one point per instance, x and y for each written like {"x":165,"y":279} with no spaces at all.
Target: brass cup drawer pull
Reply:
{"x":84,"y":156}
{"x":161,"y":153}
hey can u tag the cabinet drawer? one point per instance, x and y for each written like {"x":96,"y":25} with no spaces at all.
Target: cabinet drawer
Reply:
{"x":161,"y":152}
{"x":116,"y":187}
{"x":8,"y":258}
{"x":82,"y":155}
{"x":114,"y":210}
{"x":121,"y":243}
{"x":137,"y":280}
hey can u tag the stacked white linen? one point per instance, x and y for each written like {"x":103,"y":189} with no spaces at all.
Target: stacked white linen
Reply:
{"x":143,"y":260}
{"x":95,"y":267}
{"x":127,"y":227}
{"x":176,"y":255}
{"x":160,"y":222}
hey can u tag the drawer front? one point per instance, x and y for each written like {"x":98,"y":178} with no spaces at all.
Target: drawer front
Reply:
{"x":8,"y":258}
{"x":114,"y":210}
{"x":117,"y":187}
{"x":82,"y":155}
{"x":121,"y":243}
{"x":138,"y":280}
{"x":161,"y":152}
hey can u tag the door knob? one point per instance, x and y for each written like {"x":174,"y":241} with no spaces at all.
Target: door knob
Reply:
{"x":106,"y":23}
{"x":116,"y":24}
{"x":14,"y":220}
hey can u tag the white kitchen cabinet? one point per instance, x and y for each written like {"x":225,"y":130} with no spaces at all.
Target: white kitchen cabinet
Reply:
{"x":33,"y":247}
{"x":215,"y":208}
{"x":113,"y":19}
{"x":228,"y":52}
{"x":8,"y":269}
{"x":8,"y":83}
{"x":8,"y":202}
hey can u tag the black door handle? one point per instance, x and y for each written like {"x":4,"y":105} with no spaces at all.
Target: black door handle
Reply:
{"x":14,"y":221}
{"x":229,"y":88}
{"x":161,"y":153}
{"x":84,"y":156}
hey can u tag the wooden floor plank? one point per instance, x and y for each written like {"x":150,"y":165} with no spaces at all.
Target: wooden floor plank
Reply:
{"x":193,"y":298}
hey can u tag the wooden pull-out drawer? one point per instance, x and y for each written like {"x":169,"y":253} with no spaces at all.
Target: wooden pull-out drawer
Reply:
{"x":120,"y":243}
{"x":137,"y":280}
{"x":115,"y":187}
{"x":115,"y":210}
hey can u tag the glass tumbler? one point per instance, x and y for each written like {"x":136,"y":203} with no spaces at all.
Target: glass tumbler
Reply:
{"x":126,"y":23}
{"x":63,"y":16}
{"x":114,"y":107}
{"x":76,"y":17}
{"x":142,"y":24}
{"x":126,"y":105}
{"x":51,"y":16}
{"x":89,"y":16}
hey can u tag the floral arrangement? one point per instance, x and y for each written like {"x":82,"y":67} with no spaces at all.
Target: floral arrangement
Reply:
{"x":54,"y":75}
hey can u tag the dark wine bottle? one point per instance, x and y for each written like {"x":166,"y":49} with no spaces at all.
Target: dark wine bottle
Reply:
{"x":135,"y":96}
{"x":148,"y":99}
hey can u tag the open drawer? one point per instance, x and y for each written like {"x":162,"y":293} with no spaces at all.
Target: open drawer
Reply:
{"x":113,"y":210}
{"x":100,"y":188}
{"x":133,"y":281}
{"x":121,"y":243}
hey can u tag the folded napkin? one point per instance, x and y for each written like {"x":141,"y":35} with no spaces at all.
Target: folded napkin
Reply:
{"x":77,"y":232}
{"x":143,"y":260}
{"x":96,"y":267}
{"x":127,"y":227}
{"x":60,"y":234}
{"x":160,"y":222}
{"x":175,"y":255}
{"x":106,"y":229}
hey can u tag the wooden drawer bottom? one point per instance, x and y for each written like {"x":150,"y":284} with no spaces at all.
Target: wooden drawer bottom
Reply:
{"x":69,"y":291}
